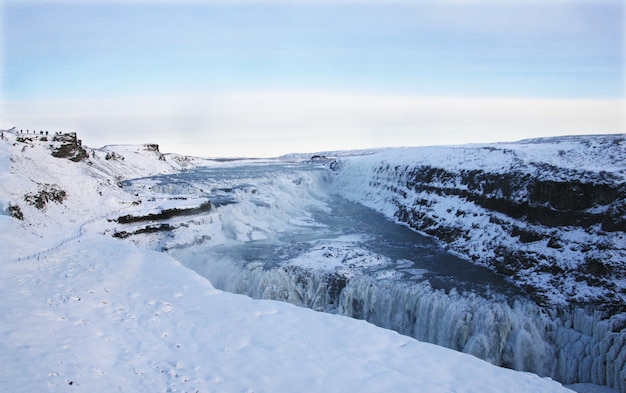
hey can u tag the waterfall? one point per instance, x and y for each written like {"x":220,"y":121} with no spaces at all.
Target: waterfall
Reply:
{"x":591,"y":347}
{"x":515,"y":335}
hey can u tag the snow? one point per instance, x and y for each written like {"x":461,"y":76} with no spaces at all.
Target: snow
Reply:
{"x":84,"y":311}
{"x":338,"y":255}
{"x":105,"y":316}
{"x":584,"y":153}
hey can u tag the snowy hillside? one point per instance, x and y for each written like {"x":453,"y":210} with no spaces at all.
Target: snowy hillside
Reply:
{"x":55,"y":197}
{"x":88,"y":312}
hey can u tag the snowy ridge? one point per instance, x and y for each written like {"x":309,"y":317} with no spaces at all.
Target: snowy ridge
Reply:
{"x":162,"y":328}
{"x":93,"y":313}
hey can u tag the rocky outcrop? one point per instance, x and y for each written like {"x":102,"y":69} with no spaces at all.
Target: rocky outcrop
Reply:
{"x":15,"y":211}
{"x":147,"y":229}
{"x":153,"y":147}
{"x":68,"y":146}
{"x":47,"y":193}
{"x":165,"y":214}
{"x":519,"y":195}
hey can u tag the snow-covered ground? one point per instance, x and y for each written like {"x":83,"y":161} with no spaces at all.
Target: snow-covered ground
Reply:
{"x":84,"y":311}
{"x":101,"y":315}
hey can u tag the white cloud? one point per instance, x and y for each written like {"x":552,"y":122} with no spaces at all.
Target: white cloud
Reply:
{"x":274,"y":123}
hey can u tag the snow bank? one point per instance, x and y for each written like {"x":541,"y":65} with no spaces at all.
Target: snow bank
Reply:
{"x":100,"y":315}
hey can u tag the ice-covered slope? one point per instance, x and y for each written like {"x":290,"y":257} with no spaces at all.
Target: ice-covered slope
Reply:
{"x":87,"y":312}
{"x":548,"y":213}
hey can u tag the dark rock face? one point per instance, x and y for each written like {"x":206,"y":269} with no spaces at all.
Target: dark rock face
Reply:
{"x":47,"y":193}
{"x":154,"y":148}
{"x":68,"y":146}
{"x":147,"y":229}
{"x":165,"y":214}
{"x":547,"y":202}
{"x":113,"y":156}
{"x":535,"y":220}
{"x":15,"y":212}
{"x":615,"y":219}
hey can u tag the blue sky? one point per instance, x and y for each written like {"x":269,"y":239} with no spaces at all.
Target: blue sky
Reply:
{"x":264,"y":78}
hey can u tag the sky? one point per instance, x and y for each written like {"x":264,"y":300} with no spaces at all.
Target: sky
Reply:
{"x":264,"y":78}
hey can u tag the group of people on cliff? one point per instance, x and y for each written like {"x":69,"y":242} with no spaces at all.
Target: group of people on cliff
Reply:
{"x":40,"y":132}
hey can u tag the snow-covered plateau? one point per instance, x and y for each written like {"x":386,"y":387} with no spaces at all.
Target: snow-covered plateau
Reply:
{"x":115,"y":260}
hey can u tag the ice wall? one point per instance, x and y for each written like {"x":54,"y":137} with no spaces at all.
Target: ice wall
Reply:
{"x":591,"y":348}
{"x":514,"y":336}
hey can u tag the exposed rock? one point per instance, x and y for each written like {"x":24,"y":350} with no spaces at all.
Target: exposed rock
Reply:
{"x":147,"y":229}
{"x":154,"y":148}
{"x":546,"y":202}
{"x":526,"y":236}
{"x":15,"y":212}
{"x":113,"y":156}
{"x":46,"y":193}
{"x":165,"y":214}
{"x":68,"y":146}
{"x":554,"y":243}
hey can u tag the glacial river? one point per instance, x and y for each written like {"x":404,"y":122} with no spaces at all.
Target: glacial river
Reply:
{"x":409,"y":256}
